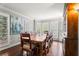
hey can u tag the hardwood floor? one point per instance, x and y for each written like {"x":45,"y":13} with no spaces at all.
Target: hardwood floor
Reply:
{"x":55,"y":50}
{"x":11,"y":51}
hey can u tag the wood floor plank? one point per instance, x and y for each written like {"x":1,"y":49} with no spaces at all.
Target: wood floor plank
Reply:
{"x":55,"y":50}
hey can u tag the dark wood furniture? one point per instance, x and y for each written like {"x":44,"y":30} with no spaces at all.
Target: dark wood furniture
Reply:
{"x":46,"y":45}
{"x":71,"y":42}
{"x":26,"y":44}
{"x":41,"y":43}
{"x":32,"y":39}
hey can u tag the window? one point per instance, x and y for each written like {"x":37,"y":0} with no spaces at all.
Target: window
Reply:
{"x":4,"y":29}
{"x":45,"y":26}
{"x":42,"y":26}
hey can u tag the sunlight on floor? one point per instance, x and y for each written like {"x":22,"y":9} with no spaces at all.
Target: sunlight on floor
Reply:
{"x":56,"y":49}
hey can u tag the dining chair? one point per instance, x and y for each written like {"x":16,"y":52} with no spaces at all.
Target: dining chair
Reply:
{"x":45,"y":46}
{"x":48,"y":43}
{"x":50,"y":39}
{"x":26,"y":44}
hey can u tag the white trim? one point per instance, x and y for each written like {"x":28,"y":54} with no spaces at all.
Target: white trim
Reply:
{"x":9,"y":46}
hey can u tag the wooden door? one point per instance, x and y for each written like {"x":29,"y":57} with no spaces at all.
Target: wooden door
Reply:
{"x":71,"y":42}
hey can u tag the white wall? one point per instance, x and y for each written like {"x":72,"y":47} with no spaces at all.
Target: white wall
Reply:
{"x":29,"y":26}
{"x":15,"y":39}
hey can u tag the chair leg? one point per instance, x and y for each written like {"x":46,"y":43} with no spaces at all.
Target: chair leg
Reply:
{"x":32,"y":53}
{"x":27,"y":54}
{"x":22,"y":52}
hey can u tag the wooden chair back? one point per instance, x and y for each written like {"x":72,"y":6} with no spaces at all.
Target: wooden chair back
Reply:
{"x":25,"y":38}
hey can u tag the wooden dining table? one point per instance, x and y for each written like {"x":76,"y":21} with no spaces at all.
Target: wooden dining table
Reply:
{"x":39,"y":41}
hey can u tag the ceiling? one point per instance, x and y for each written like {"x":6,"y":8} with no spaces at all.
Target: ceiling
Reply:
{"x":37,"y":10}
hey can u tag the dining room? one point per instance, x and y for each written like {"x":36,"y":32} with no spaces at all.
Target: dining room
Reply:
{"x":32,"y":29}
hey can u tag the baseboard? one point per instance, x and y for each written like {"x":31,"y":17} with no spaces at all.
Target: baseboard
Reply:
{"x":9,"y":46}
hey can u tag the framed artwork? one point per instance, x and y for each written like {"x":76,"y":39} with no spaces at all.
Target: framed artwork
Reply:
{"x":4,"y":29}
{"x":15,"y":25}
